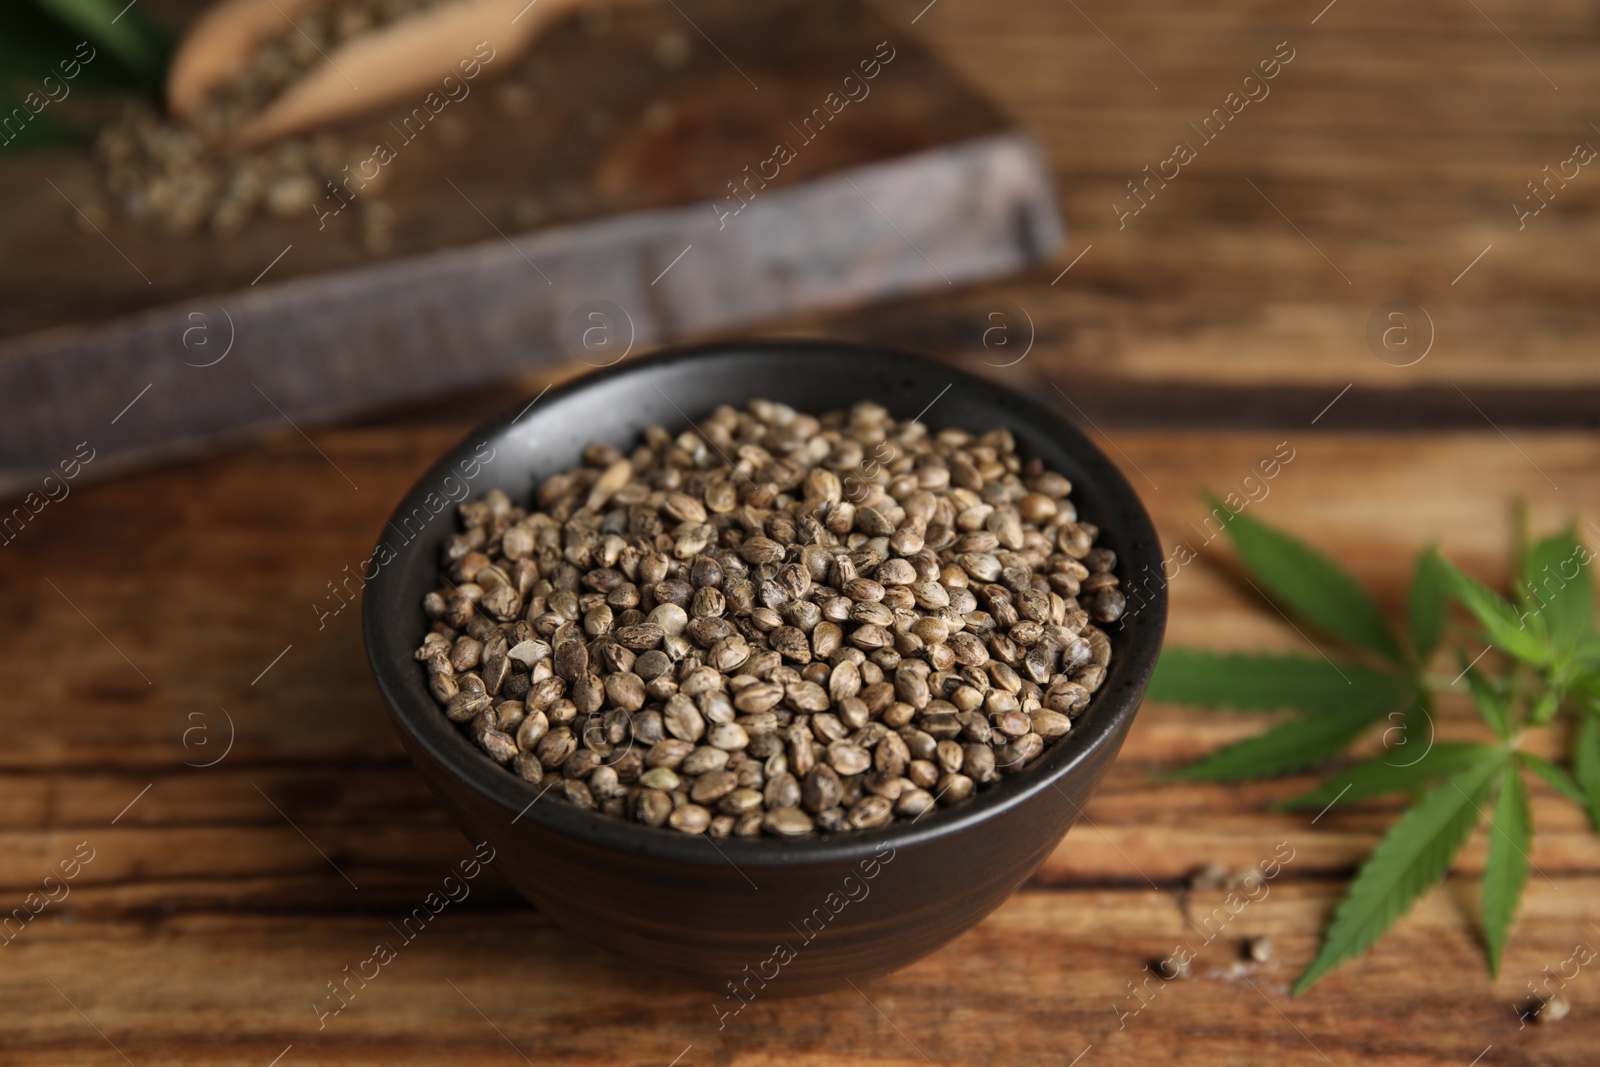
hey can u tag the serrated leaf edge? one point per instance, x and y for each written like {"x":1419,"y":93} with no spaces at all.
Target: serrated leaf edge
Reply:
{"x":1455,"y":825}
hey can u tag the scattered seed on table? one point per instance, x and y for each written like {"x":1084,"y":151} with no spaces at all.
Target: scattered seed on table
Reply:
{"x":1211,"y":875}
{"x":1553,"y":1009}
{"x":1175,"y":966}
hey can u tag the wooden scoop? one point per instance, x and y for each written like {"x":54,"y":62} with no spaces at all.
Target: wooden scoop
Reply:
{"x":404,"y":60}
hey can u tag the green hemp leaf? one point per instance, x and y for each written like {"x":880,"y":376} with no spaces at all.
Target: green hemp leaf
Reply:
{"x":1545,"y":668}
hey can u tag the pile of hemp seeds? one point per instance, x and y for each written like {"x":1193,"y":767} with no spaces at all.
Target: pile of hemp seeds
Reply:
{"x":781,"y":624}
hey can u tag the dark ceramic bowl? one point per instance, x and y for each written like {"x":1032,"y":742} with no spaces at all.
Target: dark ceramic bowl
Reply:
{"x":775,"y":916}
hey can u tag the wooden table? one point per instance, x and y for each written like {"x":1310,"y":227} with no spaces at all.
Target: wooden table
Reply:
{"x":149,"y":613}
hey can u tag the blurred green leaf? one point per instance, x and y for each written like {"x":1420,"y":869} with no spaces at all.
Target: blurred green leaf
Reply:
{"x":1310,"y":583}
{"x":1506,"y":871}
{"x":31,"y":44}
{"x":1428,"y":608}
{"x":138,"y":42}
{"x":1505,"y":625}
{"x":1586,"y":764}
{"x":1585,"y":689}
{"x":1257,"y":682}
{"x":1388,"y":773}
{"x":53,"y":61}
{"x":1488,"y":696}
{"x":1559,"y":779}
{"x":1413,"y":856}
{"x":1557,"y":586}
{"x":1586,"y":656}
{"x":1415,"y":729}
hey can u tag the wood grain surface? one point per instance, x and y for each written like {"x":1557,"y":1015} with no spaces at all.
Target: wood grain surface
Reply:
{"x":1385,"y":160}
{"x":150,"y":612}
{"x":1392,"y":146}
{"x":1383,"y":166}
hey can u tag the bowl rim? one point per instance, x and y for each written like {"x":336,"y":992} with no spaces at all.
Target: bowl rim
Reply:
{"x":424,"y":726}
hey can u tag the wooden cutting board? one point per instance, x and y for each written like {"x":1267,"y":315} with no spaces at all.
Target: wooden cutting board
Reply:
{"x":589,"y":124}
{"x":767,"y":174}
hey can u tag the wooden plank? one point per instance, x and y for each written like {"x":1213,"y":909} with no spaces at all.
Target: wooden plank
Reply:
{"x":1036,"y":983}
